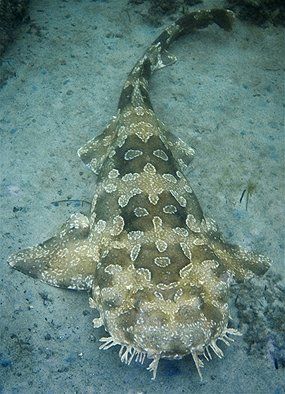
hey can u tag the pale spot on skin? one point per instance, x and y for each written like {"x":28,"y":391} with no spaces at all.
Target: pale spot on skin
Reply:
{"x":158,"y":295}
{"x":191,"y":222}
{"x":143,"y":130}
{"x":188,"y":189}
{"x":157,"y":223}
{"x":118,"y":225}
{"x":122,"y":130}
{"x":161,"y":245}
{"x":132,"y":154}
{"x":77,"y":222}
{"x":134,"y":235}
{"x":166,"y":286}
{"x":135,"y":252}
{"x":186,"y":250}
{"x":121,"y":140}
{"x":178,"y":294}
{"x":113,"y":269}
{"x":160,"y":154}
{"x":140,"y":212}
{"x":107,"y":140}
{"x":98,"y":322}
{"x":144,"y":137}
{"x":92,"y":303}
{"x":93,"y":163}
{"x":199,"y":241}
{"x":105,"y":253}
{"x":181,"y":231}
{"x":180,"y":199}
{"x":185,"y":271}
{"x":127,"y":114}
{"x":94,"y":201}
{"x":149,"y":168}
{"x":110,"y":187}
{"x":113,"y":174}
{"x":210,"y":264}
{"x":171,"y":209}
{"x":209,"y":225}
{"x":124,"y":199}
{"x":130,"y":177}
{"x":100,"y":226}
{"x":169,"y":178}
{"x":182,"y":164}
{"x":162,"y":261}
{"x":153,"y":198}
{"x":145,"y":273}
{"x":139,"y":111}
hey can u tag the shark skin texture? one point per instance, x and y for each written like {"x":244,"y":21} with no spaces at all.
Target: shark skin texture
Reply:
{"x":159,"y":272}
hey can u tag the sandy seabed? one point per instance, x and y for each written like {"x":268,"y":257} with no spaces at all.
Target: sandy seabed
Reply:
{"x":223,"y":97}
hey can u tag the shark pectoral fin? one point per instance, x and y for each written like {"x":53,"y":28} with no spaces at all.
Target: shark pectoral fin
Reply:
{"x":241,"y":263}
{"x":95,"y":151}
{"x":182,"y":152}
{"x":67,"y":260}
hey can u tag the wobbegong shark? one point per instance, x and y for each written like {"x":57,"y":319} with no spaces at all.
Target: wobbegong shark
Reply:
{"x":159,"y":272}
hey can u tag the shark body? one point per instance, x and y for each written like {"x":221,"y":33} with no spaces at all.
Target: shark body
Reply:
{"x":159,"y":271}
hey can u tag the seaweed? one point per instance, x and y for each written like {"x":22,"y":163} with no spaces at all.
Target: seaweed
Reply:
{"x":261,"y":310}
{"x":12,"y":13}
{"x":260,"y":12}
{"x":160,"y":8}
{"x":248,"y":192}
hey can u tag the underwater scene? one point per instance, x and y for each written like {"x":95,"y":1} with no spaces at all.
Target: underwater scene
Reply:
{"x":142,"y":196}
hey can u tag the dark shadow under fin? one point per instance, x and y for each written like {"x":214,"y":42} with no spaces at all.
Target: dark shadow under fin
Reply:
{"x":66,"y":260}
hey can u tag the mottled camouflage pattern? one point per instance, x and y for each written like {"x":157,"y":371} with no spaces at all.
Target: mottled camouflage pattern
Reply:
{"x":159,"y":271}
